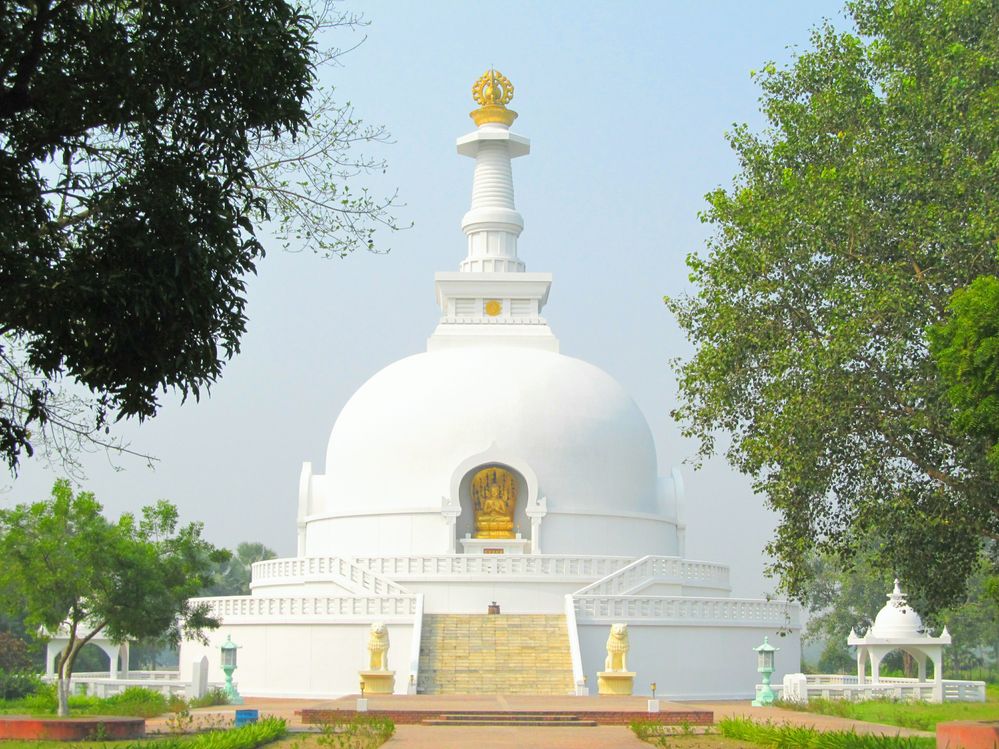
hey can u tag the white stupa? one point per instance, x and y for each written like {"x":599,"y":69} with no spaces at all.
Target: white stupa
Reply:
{"x":492,"y":468}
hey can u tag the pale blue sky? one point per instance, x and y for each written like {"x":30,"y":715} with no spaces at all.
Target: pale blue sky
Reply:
{"x":626,"y":105}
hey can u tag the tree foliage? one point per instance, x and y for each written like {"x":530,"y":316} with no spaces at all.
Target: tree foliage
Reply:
{"x":868,"y":200}
{"x":966,"y":348}
{"x":232,"y":576}
{"x":67,"y":567}
{"x":141,"y":145}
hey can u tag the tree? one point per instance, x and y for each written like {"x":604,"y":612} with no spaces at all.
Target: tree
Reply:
{"x":843,"y":598}
{"x":965,"y":346}
{"x":232,"y":577}
{"x":141,"y":144}
{"x":866,"y":203}
{"x":66,"y":566}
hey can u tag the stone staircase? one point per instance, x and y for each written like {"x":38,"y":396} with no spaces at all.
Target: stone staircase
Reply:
{"x":495,"y":654}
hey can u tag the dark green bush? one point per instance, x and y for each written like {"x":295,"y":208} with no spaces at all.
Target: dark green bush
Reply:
{"x":216,"y":696}
{"x":15,"y":685}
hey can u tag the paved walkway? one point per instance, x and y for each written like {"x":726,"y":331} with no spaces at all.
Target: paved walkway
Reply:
{"x":500,"y":737}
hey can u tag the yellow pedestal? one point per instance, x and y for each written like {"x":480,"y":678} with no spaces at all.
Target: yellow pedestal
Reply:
{"x":615,"y":682}
{"x":378,"y":682}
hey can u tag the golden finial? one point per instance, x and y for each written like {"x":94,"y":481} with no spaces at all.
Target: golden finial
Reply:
{"x":492,"y":92}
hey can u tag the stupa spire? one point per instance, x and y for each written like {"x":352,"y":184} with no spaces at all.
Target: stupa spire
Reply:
{"x":493,"y":224}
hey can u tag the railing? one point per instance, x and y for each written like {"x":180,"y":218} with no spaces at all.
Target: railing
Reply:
{"x":578,"y":678}
{"x":504,"y":565}
{"x":101,"y":685}
{"x":414,"y":647}
{"x":802,"y":688}
{"x":256,"y":607}
{"x":680,"y":610}
{"x":145,"y":675}
{"x":655,"y":569}
{"x":353,"y":577}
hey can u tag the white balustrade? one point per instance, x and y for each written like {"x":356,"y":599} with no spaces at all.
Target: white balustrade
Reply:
{"x":657,"y":569}
{"x":805,"y":687}
{"x":260,"y":607}
{"x":680,"y":609}
{"x":358,"y":578}
{"x":494,"y":565}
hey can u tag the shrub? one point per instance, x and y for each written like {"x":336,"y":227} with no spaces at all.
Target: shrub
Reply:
{"x":770,"y":735}
{"x":15,"y":685}
{"x":216,"y":696}
{"x":133,"y":701}
{"x":359,"y":732}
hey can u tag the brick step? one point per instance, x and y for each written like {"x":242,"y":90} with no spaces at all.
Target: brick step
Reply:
{"x":488,"y":718}
{"x":498,"y":722}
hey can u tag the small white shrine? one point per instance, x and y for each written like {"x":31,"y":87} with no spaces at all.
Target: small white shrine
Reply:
{"x":896,"y":627}
{"x":492,"y":468}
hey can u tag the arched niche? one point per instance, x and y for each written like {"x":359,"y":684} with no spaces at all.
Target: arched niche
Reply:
{"x":530,"y":506}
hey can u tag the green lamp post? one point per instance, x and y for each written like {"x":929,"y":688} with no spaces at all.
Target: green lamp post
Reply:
{"x":765,"y":665}
{"x":229,"y":665}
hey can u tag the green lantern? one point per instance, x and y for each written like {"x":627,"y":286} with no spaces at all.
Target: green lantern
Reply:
{"x":765,"y":665}
{"x":228,"y":666}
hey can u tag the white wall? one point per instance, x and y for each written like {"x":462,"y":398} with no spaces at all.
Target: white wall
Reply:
{"x":691,"y":662}
{"x":299,"y":660}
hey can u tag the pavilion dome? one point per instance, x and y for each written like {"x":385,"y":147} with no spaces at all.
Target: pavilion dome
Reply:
{"x":400,"y":439}
{"x":897,"y":619}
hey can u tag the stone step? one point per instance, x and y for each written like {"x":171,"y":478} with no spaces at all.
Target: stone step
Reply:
{"x":508,"y":718}
{"x":500,"y":722}
{"x":495,"y":654}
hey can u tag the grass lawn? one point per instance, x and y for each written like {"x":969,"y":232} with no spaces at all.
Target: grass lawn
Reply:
{"x":919,"y":715}
{"x":151,"y":743}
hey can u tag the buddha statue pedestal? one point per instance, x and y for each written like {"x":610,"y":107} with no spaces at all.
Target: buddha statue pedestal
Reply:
{"x":378,"y":682}
{"x":615,"y":682}
{"x":516,"y":545}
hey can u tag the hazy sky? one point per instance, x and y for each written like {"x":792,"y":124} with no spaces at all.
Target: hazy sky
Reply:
{"x":626,"y":106}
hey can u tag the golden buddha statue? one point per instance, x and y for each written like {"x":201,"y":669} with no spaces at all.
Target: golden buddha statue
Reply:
{"x":494,"y":498}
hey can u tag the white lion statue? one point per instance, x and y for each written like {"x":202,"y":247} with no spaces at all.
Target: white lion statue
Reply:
{"x":617,"y":648}
{"x":378,"y":645}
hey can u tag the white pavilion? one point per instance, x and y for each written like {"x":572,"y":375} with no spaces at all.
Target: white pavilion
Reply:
{"x":492,"y":468}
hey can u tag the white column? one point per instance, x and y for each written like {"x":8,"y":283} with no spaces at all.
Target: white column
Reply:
{"x":493,"y":224}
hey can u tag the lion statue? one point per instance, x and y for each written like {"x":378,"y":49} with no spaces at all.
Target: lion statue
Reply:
{"x":617,"y":648}
{"x":378,"y":645}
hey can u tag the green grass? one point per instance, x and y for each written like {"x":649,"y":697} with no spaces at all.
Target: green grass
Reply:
{"x":920,"y":715}
{"x":134,"y":702}
{"x":245,"y":737}
{"x":803,"y":737}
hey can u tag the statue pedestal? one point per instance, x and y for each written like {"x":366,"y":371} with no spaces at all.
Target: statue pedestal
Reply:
{"x":378,"y":682}
{"x":615,"y":682}
{"x":494,"y":545}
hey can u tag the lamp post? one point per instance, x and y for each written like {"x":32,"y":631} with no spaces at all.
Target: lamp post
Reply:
{"x":229,"y":665}
{"x":765,"y":665}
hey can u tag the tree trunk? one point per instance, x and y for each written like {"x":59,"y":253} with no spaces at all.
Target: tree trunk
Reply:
{"x":62,"y":689}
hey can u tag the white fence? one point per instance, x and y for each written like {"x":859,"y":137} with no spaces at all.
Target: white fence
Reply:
{"x":804,"y":687}
{"x":309,"y":607}
{"x":356,"y":578}
{"x":98,"y":684}
{"x":511,"y":566}
{"x":684,"y":610}
{"x":656,"y":569}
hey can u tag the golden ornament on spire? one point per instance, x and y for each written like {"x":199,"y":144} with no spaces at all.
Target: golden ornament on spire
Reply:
{"x":492,"y":92}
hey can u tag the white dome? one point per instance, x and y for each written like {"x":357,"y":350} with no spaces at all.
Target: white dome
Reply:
{"x":897,"y":618}
{"x":400,"y":439}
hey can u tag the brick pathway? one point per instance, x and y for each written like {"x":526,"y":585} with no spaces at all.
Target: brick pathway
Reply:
{"x":601,"y":737}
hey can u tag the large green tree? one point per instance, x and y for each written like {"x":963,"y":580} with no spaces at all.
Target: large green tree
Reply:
{"x":868,"y":200}
{"x":141,"y":144}
{"x":66,"y":567}
{"x":966,"y":348}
